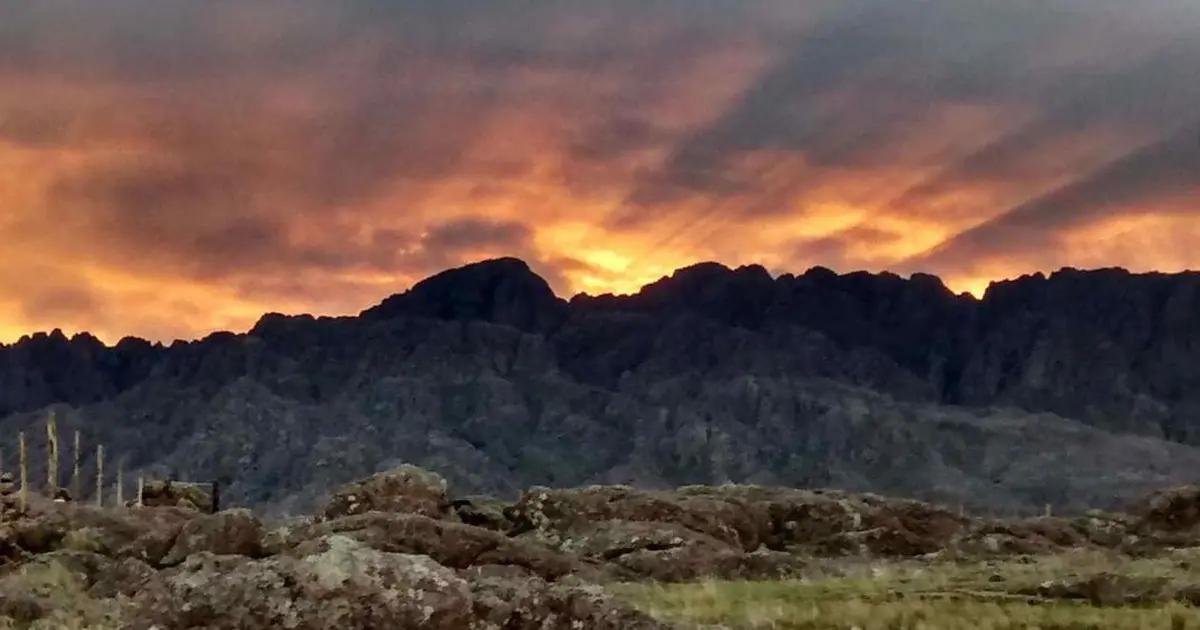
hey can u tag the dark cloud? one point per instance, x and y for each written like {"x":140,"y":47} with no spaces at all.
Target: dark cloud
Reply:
{"x":1141,"y":97}
{"x":852,"y":93}
{"x":1162,"y":176}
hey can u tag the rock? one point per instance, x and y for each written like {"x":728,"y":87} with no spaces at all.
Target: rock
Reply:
{"x":454,"y":545}
{"x":145,"y":533}
{"x":549,"y":514}
{"x":1171,"y":510}
{"x":232,"y":532}
{"x":7,"y":486}
{"x":747,"y":518}
{"x":1104,"y":529}
{"x":672,"y":553}
{"x":1109,"y":589}
{"x":532,"y":604}
{"x":166,"y":493}
{"x":1028,"y":536}
{"x":101,"y":576}
{"x":406,"y":489}
{"x":52,"y":591}
{"x":483,"y":511}
{"x":338,"y":583}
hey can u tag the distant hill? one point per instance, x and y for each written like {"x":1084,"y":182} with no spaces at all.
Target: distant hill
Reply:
{"x":1077,"y":389}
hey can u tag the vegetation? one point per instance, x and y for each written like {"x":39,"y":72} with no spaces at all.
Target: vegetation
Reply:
{"x":48,"y":596}
{"x":1051,"y":593}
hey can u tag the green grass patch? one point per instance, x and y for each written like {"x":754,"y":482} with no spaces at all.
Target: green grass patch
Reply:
{"x":925,"y":596}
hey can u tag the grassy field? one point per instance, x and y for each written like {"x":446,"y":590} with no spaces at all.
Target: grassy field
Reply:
{"x":1076,"y":591}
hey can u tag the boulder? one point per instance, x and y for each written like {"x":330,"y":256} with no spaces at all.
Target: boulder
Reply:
{"x":532,"y":604}
{"x":667,"y":552}
{"x":167,"y":493}
{"x":1042,"y":535}
{"x":1171,"y":510}
{"x":406,"y":489}
{"x":337,"y":583}
{"x":748,"y":518}
{"x":101,"y":576}
{"x":550,"y":513}
{"x":1110,"y":589}
{"x":454,"y":545}
{"x":55,"y":590}
{"x":483,"y":511}
{"x":146,"y":534}
{"x":232,"y":532}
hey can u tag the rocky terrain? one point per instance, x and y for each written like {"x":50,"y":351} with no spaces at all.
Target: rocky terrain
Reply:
{"x":1077,"y":390}
{"x":395,"y":550}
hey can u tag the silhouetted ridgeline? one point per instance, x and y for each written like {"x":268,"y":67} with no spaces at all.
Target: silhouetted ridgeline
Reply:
{"x":860,"y":381}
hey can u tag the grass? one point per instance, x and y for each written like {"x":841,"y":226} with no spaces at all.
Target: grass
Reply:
{"x":47,"y":596}
{"x":926,"y":596}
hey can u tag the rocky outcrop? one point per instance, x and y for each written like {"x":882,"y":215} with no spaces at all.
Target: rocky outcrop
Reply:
{"x":483,"y":511}
{"x":502,"y":291}
{"x":454,"y":545}
{"x":336,"y":583}
{"x":167,"y":493}
{"x":68,"y":565}
{"x":741,"y":518}
{"x":233,"y":532}
{"x":1172,"y":510}
{"x":144,"y":534}
{"x":406,"y":489}
{"x":668,"y":552}
{"x":530,"y":603}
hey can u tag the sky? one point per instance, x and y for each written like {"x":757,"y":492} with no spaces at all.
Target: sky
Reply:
{"x":171,"y":167}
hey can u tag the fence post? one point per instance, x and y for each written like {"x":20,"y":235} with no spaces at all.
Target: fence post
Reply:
{"x":99,"y":475}
{"x":76,"y":487}
{"x":120,"y":482}
{"x":24,"y":475}
{"x":52,"y":455}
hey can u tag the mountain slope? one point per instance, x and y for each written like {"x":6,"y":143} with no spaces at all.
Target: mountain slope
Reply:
{"x":859,"y":381}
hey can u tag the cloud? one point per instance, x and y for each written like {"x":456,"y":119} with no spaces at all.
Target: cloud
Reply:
{"x":170,"y":168}
{"x":1161,"y":177}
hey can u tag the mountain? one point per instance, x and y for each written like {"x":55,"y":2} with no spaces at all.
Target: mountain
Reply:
{"x":1078,"y":389}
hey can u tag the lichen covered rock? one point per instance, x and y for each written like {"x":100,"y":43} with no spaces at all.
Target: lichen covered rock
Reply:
{"x":406,"y":489}
{"x":338,"y":583}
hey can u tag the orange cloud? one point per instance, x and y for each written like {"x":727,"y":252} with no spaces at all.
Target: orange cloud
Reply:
{"x":166,"y":171}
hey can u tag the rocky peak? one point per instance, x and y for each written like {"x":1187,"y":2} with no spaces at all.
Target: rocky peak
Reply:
{"x":502,"y":291}
{"x":46,"y":368}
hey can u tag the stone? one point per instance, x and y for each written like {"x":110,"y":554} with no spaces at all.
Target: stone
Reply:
{"x":338,"y":583}
{"x":168,"y":493}
{"x":483,"y":511}
{"x":146,"y":533}
{"x":406,"y":489}
{"x":232,"y":532}
{"x":532,"y":604}
{"x":454,"y":545}
{"x":1171,"y":510}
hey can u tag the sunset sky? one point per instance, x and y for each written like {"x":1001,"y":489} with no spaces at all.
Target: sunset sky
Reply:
{"x":173,"y":167}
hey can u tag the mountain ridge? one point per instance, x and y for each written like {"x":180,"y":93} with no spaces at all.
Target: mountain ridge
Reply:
{"x":709,"y":375}
{"x":815,"y":271}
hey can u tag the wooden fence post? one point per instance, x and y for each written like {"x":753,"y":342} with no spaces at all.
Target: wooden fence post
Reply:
{"x":52,"y":455}
{"x":76,"y":482}
{"x":99,"y":475}
{"x":24,"y":475}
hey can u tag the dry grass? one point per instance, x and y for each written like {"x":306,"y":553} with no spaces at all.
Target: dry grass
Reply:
{"x":47,"y":596}
{"x":913,"y":595}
